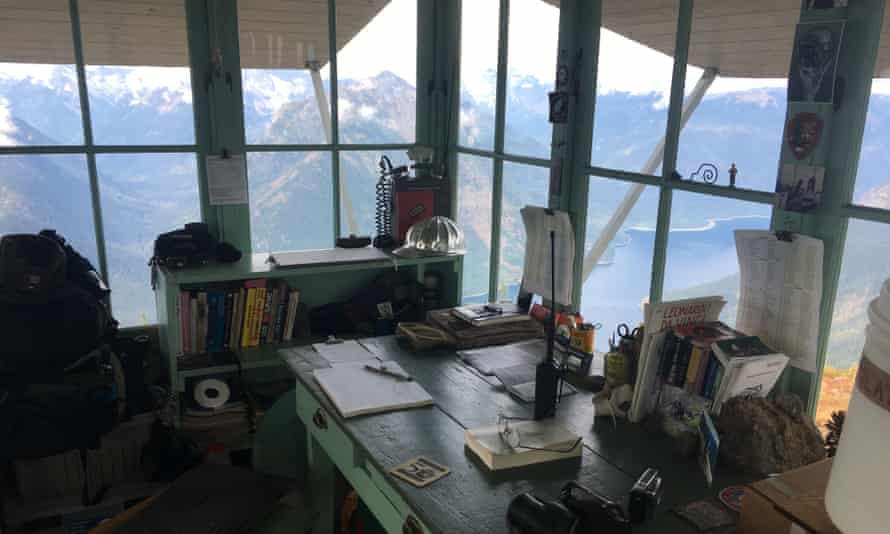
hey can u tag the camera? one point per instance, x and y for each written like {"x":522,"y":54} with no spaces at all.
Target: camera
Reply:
{"x":580,"y":509}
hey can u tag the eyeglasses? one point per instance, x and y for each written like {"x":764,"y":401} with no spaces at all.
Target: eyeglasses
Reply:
{"x":512,"y":438}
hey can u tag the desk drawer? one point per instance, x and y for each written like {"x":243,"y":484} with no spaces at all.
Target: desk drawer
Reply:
{"x":373,"y":487}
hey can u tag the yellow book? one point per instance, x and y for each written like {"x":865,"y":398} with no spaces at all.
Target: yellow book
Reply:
{"x":258,"y":312}
{"x":246,"y":323}
{"x":694,"y":360}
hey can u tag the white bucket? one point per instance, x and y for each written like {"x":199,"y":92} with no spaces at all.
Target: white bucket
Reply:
{"x":856,"y":497}
{"x":884,"y":301}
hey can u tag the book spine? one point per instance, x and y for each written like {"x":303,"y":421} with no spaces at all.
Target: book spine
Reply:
{"x":702,"y":368}
{"x":227,"y":319}
{"x":692,"y":368}
{"x":682,"y":363}
{"x":247,"y":323}
{"x":233,"y":324}
{"x":291,"y":315}
{"x":709,"y":376}
{"x":267,"y":315}
{"x":238,"y":328}
{"x":259,"y":307}
{"x":193,"y":323}
{"x":273,"y":310}
{"x":718,"y":381}
{"x":202,"y":322}
{"x":668,"y":353}
{"x":220,"y":330}
{"x":280,"y":313}
{"x":211,"y":321}
{"x":185,"y":322}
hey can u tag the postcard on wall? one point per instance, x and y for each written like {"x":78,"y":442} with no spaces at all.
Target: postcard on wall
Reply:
{"x":799,"y":187}
{"x":814,"y":61}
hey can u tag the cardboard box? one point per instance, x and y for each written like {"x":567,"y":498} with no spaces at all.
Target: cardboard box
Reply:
{"x":793,"y":502}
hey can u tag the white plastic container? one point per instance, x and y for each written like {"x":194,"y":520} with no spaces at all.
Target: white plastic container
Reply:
{"x":856,"y":497}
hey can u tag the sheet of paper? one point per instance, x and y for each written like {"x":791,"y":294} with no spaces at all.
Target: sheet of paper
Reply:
{"x":345,"y":352}
{"x":227,"y":180}
{"x":781,"y":293}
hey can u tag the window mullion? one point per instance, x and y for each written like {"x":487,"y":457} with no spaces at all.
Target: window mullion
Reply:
{"x":98,"y":227}
{"x":671,"y":145}
{"x":497,"y":185}
{"x":335,"y":115}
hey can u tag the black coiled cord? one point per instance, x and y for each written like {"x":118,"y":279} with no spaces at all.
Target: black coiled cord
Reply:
{"x":383,"y":205}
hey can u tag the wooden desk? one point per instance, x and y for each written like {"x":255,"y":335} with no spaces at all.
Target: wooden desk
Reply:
{"x":471,"y":499}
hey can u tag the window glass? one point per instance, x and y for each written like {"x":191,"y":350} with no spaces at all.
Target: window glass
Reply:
{"x":377,"y":69}
{"x":359,"y":174}
{"x":741,"y":119}
{"x":632,"y":103}
{"x":138,"y":72}
{"x":872,"y":181}
{"x":531,"y":69}
{"x":862,"y":274}
{"x":524,"y":185}
{"x":478,"y":73}
{"x":621,"y":220}
{"x":48,"y":192}
{"x":39,"y":100}
{"x":291,"y":200}
{"x":474,"y":218}
{"x":142,"y":195}
{"x":285,"y":72}
{"x":701,"y":253}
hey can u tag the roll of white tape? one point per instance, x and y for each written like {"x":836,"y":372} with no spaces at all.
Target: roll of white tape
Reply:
{"x":211,"y":393}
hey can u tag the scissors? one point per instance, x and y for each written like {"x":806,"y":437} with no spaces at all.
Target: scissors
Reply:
{"x":624,"y":331}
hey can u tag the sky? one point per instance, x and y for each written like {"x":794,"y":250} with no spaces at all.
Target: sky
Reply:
{"x":388,"y":43}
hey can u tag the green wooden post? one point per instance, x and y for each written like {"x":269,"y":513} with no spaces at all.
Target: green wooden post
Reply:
{"x":199,"y":59}
{"x":838,"y":152}
{"x":671,"y":146}
{"x":226,"y":116}
{"x":579,"y":38}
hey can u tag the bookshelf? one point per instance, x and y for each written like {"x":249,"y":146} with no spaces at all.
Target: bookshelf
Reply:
{"x":318,"y":283}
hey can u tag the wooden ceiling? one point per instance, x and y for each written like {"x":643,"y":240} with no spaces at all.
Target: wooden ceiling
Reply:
{"x":274,"y":33}
{"x":750,"y":38}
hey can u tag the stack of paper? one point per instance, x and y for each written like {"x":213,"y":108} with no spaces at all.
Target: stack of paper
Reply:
{"x":781,"y":293}
{"x":355,"y":390}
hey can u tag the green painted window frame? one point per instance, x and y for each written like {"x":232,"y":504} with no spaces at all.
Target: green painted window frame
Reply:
{"x":580,"y":27}
{"x":90,"y":149}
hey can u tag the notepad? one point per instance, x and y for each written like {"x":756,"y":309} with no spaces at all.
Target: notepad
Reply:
{"x":354,"y":390}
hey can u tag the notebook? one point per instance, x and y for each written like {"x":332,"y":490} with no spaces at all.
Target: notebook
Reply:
{"x":354,"y":390}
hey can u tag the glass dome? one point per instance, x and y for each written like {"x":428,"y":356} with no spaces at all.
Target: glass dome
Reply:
{"x":436,"y":236}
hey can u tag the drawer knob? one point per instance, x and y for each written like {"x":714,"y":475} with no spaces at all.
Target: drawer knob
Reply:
{"x":319,"y":419}
{"x":411,"y":526}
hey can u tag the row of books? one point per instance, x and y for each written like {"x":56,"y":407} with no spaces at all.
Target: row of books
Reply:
{"x":254,"y":313}
{"x":717,"y":362}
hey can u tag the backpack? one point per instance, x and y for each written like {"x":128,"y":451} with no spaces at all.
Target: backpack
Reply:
{"x":53,"y":308}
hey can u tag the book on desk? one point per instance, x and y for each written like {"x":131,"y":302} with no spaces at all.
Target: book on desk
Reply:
{"x":538,"y":442}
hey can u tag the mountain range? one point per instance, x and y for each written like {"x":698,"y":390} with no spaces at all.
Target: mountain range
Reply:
{"x":291,"y":193}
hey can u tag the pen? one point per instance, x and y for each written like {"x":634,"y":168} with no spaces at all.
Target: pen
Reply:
{"x":382,"y":370}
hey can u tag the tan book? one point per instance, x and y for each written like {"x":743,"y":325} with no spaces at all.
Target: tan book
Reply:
{"x":538,"y":442}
